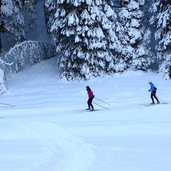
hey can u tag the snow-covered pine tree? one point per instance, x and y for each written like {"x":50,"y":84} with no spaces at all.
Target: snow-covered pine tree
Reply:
{"x":12,"y":19}
{"x":50,"y":10}
{"x":84,"y":32}
{"x":161,"y":19}
{"x":135,"y":37}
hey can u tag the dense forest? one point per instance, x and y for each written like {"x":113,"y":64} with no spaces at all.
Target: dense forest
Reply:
{"x":88,"y":38}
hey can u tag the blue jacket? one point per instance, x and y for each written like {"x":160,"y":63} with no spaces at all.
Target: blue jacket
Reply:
{"x":152,"y":87}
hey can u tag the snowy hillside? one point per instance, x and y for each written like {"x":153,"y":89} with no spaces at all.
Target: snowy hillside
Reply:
{"x":44,"y":125}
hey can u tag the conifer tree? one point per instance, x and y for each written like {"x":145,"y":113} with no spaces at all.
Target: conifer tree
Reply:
{"x":50,"y":9}
{"x":161,"y":20}
{"x":12,"y":19}
{"x":135,"y":37}
{"x":84,"y":33}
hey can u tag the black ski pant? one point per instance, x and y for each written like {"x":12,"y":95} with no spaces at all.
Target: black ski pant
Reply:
{"x":153,"y":95}
{"x":89,"y":102}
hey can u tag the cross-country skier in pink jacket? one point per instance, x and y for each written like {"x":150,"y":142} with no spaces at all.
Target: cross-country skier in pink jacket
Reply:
{"x":90,"y":98}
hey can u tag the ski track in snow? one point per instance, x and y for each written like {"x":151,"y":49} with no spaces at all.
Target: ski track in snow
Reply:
{"x":45,"y":127}
{"x":42,"y":144}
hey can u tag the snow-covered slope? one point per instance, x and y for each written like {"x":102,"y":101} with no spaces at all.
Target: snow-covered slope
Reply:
{"x":46,"y":126}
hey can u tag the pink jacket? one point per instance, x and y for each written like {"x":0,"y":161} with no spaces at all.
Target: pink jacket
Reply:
{"x":90,"y":93}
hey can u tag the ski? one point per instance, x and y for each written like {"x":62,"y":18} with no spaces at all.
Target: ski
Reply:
{"x":92,"y":110}
{"x":154,"y":104}
{"x":150,"y":104}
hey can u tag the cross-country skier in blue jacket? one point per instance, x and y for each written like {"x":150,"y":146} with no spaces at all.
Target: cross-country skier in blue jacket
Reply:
{"x":153,"y":90}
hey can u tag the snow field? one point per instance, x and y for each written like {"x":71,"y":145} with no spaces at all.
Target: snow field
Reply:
{"x":49,"y":130}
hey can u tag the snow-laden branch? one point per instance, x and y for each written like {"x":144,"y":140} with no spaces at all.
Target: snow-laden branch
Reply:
{"x":5,"y":63}
{"x":27,"y":53}
{"x":2,"y":83}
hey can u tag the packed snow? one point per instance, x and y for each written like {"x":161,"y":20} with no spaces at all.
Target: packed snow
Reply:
{"x":44,"y":125}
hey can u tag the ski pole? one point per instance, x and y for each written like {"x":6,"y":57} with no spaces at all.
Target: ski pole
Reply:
{"x":101,"y":106}
{"x":162,"y":101}
{"x":102,"y":101}
{"x":6,"y":104}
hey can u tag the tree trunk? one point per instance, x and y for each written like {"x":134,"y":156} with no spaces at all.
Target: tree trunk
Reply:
{"x":0,"y":28}
{"x":170,"y":72}
{"x":0,"y":43}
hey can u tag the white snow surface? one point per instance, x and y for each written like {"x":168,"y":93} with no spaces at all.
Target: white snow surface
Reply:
{"x":44,"y":125}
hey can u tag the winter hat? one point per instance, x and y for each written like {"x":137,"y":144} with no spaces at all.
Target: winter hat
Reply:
{"x":87,"y":87}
